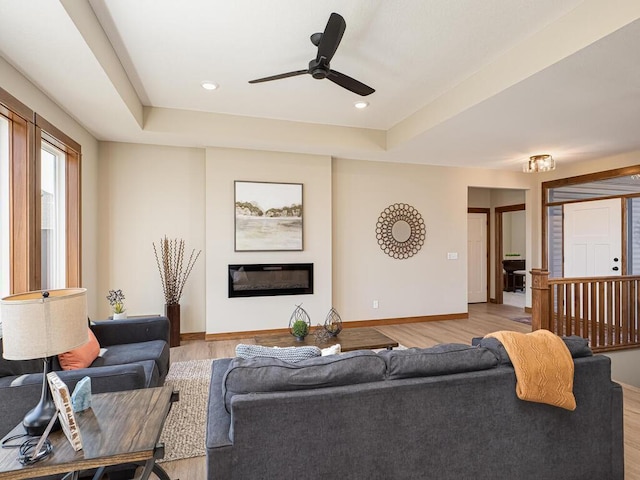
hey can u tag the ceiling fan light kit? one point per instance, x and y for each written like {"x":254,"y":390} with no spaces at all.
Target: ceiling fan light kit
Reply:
{"x":539,"y":163}
{"x":319,"y":67}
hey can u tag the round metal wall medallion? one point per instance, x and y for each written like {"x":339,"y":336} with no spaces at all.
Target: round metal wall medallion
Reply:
{"x":400,"y":231}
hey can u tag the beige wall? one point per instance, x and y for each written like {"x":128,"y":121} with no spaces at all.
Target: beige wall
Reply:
{"x":427,"y":283}
{"x":22,"y":89}
{"x":145,"y":193}
{"x":223,"y":167}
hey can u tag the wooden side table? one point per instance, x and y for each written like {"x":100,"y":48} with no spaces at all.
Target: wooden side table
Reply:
{"x":119,"y":428}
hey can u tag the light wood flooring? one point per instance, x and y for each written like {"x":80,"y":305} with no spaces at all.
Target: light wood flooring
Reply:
{"x":483,"y":319}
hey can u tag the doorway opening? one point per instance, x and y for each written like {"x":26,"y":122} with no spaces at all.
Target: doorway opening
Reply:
{"x":511,"y":273}
{"x":506,"y":211}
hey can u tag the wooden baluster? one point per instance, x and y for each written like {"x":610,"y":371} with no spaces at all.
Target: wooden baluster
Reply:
{"x":633,"y":313}
{"x":601,"y":317}
{"x":562,"y":308}
{"x":568,"y":327}
{"x":626,"y":310}
{"x":610,"y":316}
{"x":585,"y":309}
{"x":577,"y":316}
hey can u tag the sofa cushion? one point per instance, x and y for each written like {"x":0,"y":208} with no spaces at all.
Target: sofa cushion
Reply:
{"x":332,"y":350}
{"x":157,"y":350}
{"x":259,"y":375}
{"x":442,"y":359}
{"x":287,"y":354}
{"x":578,"y":347}
{"x":82,"y":356}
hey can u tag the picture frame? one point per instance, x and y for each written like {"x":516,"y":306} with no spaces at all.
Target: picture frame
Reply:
{"x":268,"y":216}
{"x":62,"y":399}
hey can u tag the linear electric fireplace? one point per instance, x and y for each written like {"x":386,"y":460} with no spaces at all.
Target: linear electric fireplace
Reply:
{"x":260,"y":280}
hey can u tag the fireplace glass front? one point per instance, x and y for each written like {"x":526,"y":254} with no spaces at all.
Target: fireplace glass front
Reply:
{"x":259,"y":280}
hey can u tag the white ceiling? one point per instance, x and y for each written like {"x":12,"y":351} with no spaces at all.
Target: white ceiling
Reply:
{"x":458,"y":82}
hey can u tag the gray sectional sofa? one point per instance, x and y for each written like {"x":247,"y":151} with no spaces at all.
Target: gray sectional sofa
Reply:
{"x":449,"y":412}
{"x":137,"y":356}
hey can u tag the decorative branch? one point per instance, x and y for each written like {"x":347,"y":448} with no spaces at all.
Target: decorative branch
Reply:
{"x":170,"y":266}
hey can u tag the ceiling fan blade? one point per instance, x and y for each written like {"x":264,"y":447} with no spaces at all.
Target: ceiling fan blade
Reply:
{"x":331,"y":37}
{"x":349,"y":83}
{"x":278,"y":77}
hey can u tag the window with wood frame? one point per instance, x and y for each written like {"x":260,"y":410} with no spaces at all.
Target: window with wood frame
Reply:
{"x":4,"y":207}
{"x":40,"y":244}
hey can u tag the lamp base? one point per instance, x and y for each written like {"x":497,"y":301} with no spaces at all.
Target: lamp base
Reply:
{"x":36,"y":420}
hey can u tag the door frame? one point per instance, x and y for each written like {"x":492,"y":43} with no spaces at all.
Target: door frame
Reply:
{"x":586,"y":178}
{"x":499,"y":277}
{"x":487,"y":213}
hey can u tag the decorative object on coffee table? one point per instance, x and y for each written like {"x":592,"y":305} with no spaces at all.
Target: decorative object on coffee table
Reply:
{"x":173,"y":275}
{"x":400,"y":231}
{"x":321,"y":335}
{"x":299,"y":323}
{"x":116,"y":300}
{"x":333,"y":322}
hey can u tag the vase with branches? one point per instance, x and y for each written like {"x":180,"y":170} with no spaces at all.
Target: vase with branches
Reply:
{"x":174,"y":272}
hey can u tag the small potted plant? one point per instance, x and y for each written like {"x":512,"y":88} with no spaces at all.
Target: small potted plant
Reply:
{"x":116,"y":300}
{"x":300,"y":329}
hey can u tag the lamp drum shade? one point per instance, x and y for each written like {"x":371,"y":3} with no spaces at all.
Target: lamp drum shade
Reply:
{"x":35,"y":326}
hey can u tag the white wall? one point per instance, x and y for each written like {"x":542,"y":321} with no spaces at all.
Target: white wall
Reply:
{"x":147,"y":192}
{"x":22,"y":89}
{"x":223,"y":167}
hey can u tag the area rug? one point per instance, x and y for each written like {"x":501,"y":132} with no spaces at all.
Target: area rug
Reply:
{"x":183,"y":434}
{"x":525,"y":320}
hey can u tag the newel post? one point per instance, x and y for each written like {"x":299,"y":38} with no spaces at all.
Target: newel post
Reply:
{"x":540,"y":299}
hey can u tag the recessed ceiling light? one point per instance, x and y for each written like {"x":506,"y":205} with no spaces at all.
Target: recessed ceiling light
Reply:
{"x":361,"y":104}
{"x":209,"y":85}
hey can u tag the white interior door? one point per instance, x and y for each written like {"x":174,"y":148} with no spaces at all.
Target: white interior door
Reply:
{"x":593,"y":238}
{"x":477,"y":257}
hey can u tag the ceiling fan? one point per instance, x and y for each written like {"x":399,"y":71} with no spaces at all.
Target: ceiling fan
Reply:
{"x":327,"y":43}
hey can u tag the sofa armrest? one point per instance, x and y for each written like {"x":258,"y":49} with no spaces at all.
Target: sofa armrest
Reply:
{"x":113,"y":378}
{"x":218,"y":441}
{"x":218,"y":419}
{"x":131,"y":330}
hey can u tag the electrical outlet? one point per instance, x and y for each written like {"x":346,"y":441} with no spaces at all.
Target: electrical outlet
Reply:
{"x":452,"y":256}
{"x":375,"y":304}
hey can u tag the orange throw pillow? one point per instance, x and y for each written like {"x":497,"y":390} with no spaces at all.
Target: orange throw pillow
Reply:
{"x":81,"y":357}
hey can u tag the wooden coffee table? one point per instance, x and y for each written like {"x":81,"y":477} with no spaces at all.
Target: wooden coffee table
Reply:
{"x":363,"y":338}
{"x":120,"y":428}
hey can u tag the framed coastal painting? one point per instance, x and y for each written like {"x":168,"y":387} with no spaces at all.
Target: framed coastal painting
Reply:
{"x":268,"y":216}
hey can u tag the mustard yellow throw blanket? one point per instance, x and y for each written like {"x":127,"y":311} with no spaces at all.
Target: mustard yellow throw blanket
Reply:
{"x":543,"y":367}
